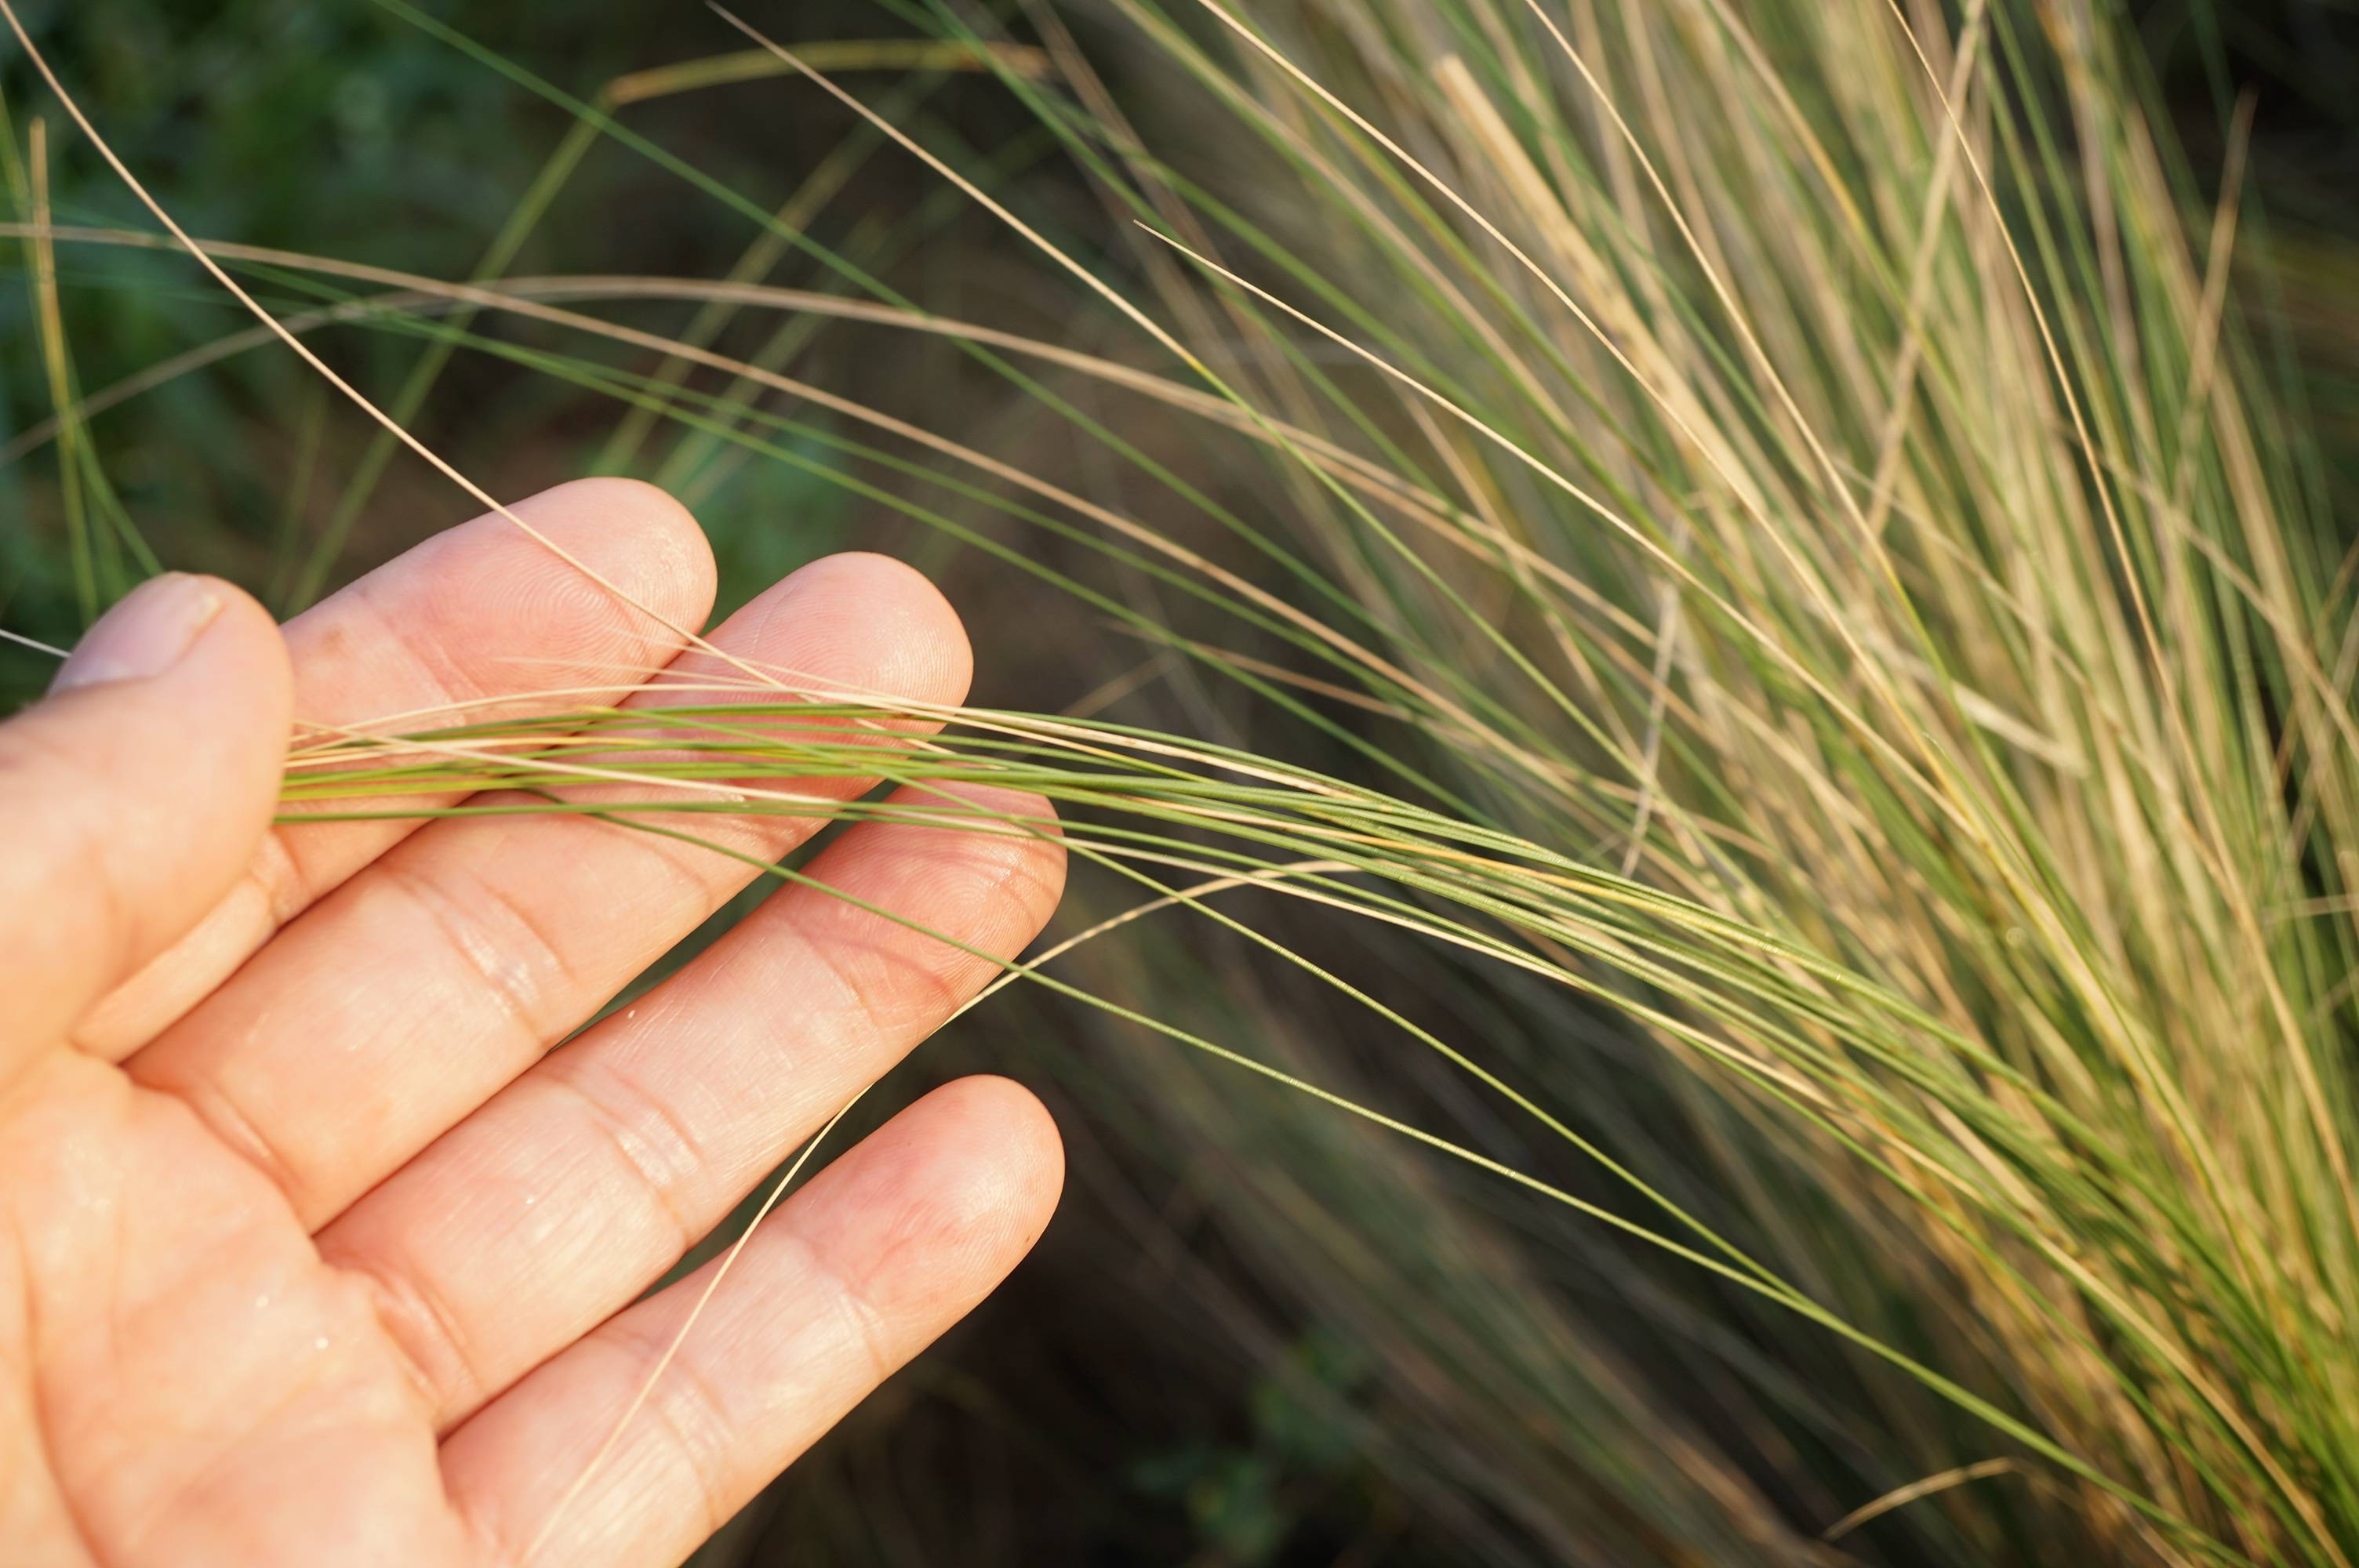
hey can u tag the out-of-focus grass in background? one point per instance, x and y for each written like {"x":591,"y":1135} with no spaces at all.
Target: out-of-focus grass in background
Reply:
{"x":1252,"y":1337}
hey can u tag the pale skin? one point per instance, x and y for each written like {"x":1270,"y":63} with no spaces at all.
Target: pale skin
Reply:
{"x":312,"y":1249}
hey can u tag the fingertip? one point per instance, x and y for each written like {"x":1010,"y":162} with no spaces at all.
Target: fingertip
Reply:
{"x":997,"y":1167}
{"x":936,"y":1207}
{"x":603,"y":583}
{"x":254,"y":654}
{"x":141,"y":785}
{"x":645,"y":545}
{"x":882,"y":1252}
{"x":245,"y":673}
{"x":188,"y":677}
{"x":1035,"y":1148}
{"x":170,"y":623}
{"x":877,"y":624}
{"x":667,"y":543}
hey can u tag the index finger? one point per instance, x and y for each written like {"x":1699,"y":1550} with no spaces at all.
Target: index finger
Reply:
{"x":477,"y":613}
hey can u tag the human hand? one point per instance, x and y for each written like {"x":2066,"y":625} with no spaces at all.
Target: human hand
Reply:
{"x":312,"y":1253}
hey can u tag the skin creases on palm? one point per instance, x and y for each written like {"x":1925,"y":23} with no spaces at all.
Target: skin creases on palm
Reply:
{"x":315,"y":1249}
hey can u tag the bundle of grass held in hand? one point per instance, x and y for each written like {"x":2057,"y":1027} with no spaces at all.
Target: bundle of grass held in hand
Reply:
{"x":1771,"y":577}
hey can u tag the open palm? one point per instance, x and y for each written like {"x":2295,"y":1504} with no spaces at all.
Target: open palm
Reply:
{"x":311,"y":1251}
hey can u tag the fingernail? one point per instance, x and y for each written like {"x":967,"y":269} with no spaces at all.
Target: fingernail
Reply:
{"x":143,"y":635}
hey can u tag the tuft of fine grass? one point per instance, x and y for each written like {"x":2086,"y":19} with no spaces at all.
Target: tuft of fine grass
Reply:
{"x":1751,"y":553}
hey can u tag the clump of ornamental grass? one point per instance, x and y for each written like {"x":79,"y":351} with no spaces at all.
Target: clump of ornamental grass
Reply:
{"x":1775,"y":568}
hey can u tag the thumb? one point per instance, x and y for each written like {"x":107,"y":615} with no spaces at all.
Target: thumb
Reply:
{"x":132,"y":797}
